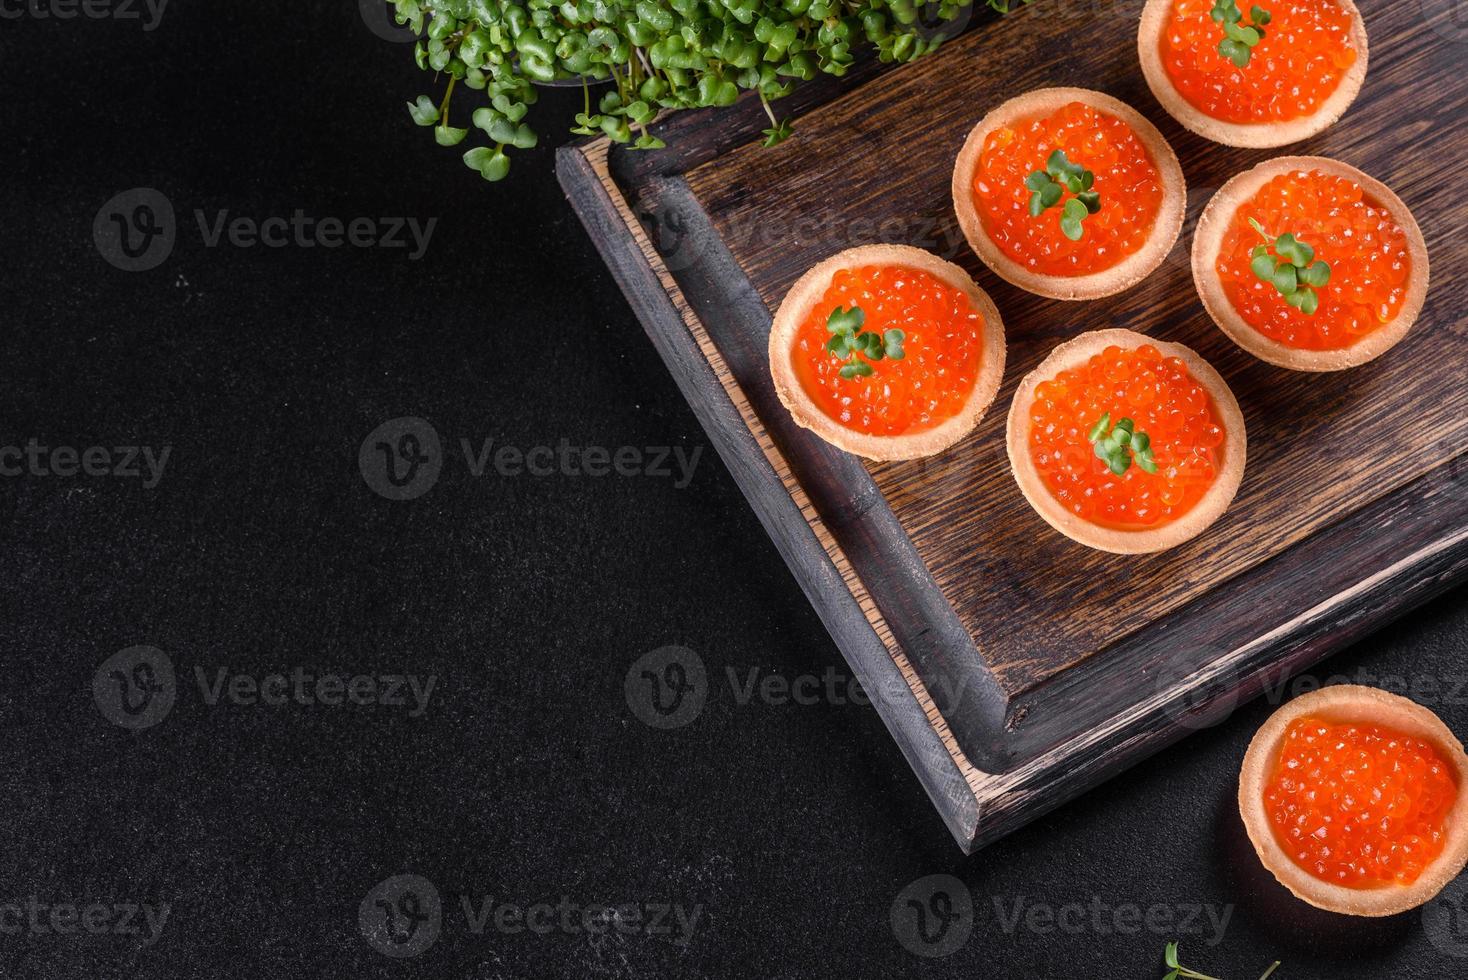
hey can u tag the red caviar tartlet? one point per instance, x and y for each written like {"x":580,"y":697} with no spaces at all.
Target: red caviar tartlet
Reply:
{"x":887,"y":351}
{"x":1253,"y":73}
{"x":1068,"y":193}
{"x":1353,"y":799}
{"x":1309,"y":264}
{"x":1126,"y":444}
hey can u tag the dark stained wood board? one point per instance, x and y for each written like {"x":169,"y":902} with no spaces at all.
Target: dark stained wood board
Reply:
{"x":871,"y":165}
{"x":1006,"y":641}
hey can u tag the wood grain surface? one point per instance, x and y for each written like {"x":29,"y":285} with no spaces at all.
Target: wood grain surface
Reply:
{"x":874,"y":165}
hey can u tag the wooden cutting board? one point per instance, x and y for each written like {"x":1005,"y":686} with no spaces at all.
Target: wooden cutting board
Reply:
{"x":1015,"y":667}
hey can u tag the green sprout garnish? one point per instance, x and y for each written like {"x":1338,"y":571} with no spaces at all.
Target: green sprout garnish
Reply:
{"x":1294,"y":273}
{"x":1177,"y":971}
{"x":847,"y":342}
{"x":1121,"y":445}
{"x":1049,"y":185}
{"x":1240,"y":39}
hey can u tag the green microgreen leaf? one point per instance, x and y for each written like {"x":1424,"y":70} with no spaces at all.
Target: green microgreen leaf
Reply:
{"x":1239,"y":38}
{"x":1048,"y":188}
{"x":423,"y":111}
{"x":1295,"y":274}
{"x":845,"y":321}
{"x":893,"y":339}
{"x":449,"y":135}
{"x":1285,"y":278}
{"x":1120,"y":445}
{"x":1318,"y":274}
{"x":856,"y":369}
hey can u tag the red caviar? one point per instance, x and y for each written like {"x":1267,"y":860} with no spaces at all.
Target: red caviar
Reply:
{"x":1305,"y":52}
{"x":1127,"y":181}
{"x":1359,"y":805}
{"x":941,"y":351}
{"x":1163,"y":400}
{"x":1360,"y":240}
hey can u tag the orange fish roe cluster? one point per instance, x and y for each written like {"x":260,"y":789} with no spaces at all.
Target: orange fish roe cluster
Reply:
{"x":1359,"y":805}
{"x":1127,"y":181}
{"x":1360,"y":240}
{"x":1163,"y":400}
{"x":1304,"y":54}
{"x":944,"y":339}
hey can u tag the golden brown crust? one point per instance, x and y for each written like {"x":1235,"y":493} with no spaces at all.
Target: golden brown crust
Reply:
{"x":807,"y":292}
{"x":1191,"y":524}
{"x":1208,"y":239}
{"x":1353,"y":703}
{"x":1256,"y":135}
{"x":1129,"y":271}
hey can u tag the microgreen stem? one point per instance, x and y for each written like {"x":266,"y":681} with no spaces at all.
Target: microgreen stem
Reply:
{"x":1267,"y":973}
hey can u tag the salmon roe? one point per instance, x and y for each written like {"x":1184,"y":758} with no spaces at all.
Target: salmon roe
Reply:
{"x":1127,"y":181}
{"x":929,"y":385}
{"x":1300,"y":61}
{"x":1163,"y":400}
{"x":1359,"y":805}
{"x":1360,"y":240}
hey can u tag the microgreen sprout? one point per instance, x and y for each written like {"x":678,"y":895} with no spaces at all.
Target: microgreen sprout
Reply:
{"x":1296,"y":274}
{"x":1239,"y":39}
{"x":1049,"y":185}
{"x":654,"y":56}
{"x":1121,"y":445}
{"x":1178,"y":971}
{"x":848,"y":340}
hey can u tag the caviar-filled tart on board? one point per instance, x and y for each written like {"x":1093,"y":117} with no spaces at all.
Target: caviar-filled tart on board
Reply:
{"x":887,"y":351}
{"x":1126,"y":444}
{"x":1353,"y":799}
{"x":1309,"y":264}
{"x":1068,"y":193}
{"x":1253,"y":73}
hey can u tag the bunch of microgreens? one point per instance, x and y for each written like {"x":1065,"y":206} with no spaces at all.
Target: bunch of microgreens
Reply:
{"x":1119,"y":446}
{"x":1060,"y":175}
{"x":1294,"y":273}
{"x":846,"y":342}
{"x":1170,"y":958}
{"x":1239,"y":39}
{"x":659,"y":54}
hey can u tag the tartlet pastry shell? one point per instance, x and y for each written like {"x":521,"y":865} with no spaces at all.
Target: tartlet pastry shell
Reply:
{"x":1253,"y":135}
{"x":1189,"y":525}
{"x":1127,"y":273}
{"x":807,"y":292}
{"x":1354,"y":703}
{"x":1208,"y":239}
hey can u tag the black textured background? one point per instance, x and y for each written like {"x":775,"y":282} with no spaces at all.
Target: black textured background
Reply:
{"x":791,"y":828}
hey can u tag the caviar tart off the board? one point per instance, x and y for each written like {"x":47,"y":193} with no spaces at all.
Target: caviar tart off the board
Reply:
{"x":1068,"y":193}
{"x":1353,"y":799}
{"x":887,"y":351}
{"x":1253,"y":73}
{"x":1310,"y":264}
{"x":1126,"y":444}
